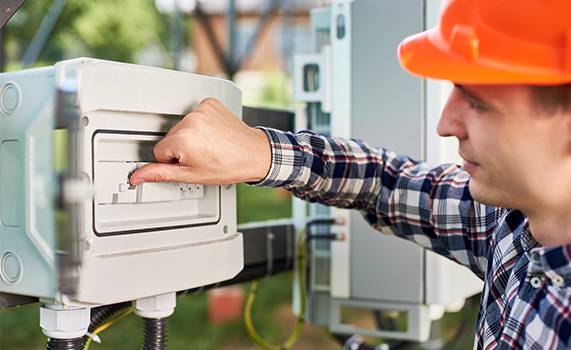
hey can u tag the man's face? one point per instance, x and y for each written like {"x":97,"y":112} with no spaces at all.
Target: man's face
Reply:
{"x":516,"y":154}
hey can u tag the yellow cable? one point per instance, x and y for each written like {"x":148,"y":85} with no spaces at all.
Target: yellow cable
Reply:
{"x":105,"y":326}
{"x":296,"y":332}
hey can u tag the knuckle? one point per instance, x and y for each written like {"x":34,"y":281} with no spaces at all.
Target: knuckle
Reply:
{"x":157,"y":148}
{"x":198,"y":120}
{"x":209,"y":101}
{"x":158,"y":178}
{"x":209,"y":105}
{"x":198,"y":113}
{"x":179,"y":140}
{"x":155,"y":177}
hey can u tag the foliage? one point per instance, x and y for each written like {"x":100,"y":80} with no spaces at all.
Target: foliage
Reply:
{"x":107,"y":29}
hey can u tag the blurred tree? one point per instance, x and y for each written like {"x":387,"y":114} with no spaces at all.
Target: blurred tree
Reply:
{"x":107,"y":29}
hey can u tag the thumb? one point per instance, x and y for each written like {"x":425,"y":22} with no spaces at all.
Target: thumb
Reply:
{"x":161,"y":172}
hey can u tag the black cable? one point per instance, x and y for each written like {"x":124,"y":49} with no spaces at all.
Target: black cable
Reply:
{"x":65,"y":344}
{"x":388,"y":323}
{"x":101,"y":314}
{"x":321,"y":221}
{"x":324,"y":236}
{"x":384,"y":322}
{"x":249,"y":273}
{"x":155,"y":333}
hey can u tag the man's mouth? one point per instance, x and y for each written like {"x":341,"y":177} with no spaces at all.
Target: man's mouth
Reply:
{"x":468,"y":165}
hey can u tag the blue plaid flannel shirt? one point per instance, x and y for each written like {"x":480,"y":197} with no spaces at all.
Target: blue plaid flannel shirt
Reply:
{"x":526,"y":298}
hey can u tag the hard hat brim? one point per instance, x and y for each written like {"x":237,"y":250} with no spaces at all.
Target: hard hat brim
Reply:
{"x":420,"y":56}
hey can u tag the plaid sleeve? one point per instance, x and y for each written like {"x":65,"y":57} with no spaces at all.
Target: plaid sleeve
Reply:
{"x":431,"y":206}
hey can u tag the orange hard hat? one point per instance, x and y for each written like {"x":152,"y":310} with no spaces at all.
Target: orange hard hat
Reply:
{"x":494,"y":42}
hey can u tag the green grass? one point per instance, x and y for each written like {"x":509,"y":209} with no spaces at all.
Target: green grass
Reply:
{"x":20,"y":328}
{"x":260,"y":204}
{"x":188,"y":327}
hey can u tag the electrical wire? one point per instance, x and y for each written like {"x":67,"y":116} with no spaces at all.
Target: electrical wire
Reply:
{"x":104,"y":327}
{"x":296,"y":332}
{"x":101,"y":314}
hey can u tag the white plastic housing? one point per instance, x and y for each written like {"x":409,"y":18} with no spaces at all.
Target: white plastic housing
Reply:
{"x":129,"y":242}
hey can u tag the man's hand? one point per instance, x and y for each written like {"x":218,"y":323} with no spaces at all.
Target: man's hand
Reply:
{"x":209,"y":146}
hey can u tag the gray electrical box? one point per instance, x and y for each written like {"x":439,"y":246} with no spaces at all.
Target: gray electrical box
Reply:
{"x":354,"y":87}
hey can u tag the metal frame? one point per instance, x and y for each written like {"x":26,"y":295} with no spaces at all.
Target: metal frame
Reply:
{"x":231,"y":63}
{"x":7,"y":10}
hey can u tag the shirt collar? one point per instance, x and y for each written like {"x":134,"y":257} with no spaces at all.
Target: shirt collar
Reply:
{"x":554,"y":262}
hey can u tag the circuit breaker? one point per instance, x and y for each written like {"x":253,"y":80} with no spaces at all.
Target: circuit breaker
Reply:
{"x":73,"y":230}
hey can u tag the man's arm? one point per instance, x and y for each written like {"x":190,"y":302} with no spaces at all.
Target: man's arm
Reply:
{"x":210,"y":146}
{"x":432,"y":207}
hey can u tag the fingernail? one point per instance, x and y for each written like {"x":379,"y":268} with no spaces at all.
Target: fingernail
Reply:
{"x":137,"y":182}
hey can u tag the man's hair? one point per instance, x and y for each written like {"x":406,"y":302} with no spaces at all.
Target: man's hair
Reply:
{"x":552,"y":98}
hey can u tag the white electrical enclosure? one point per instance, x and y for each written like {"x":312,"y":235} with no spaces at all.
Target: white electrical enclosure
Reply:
{"x":73,"y":230}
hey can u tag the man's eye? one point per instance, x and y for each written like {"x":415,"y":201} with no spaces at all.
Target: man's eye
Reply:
{"x":475,"y":105}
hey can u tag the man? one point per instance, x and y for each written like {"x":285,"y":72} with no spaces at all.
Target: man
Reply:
{"x":504,"y":213}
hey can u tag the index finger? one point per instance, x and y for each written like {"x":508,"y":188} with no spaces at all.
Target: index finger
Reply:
{"x":160,"y":172}
{"x":165,"y":150}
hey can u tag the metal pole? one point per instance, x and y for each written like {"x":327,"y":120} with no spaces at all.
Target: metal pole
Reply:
{"x":232,"y":37}
{"x":204,"y":20}
{"x":176,"y":36}
{"x":43,"y":33}
{"x":265,"y":19}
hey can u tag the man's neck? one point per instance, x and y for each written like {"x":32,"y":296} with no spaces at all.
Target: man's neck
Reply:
{"x":550,"y":230}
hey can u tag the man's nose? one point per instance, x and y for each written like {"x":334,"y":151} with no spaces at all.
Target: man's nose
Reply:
{"x":451,"y":122}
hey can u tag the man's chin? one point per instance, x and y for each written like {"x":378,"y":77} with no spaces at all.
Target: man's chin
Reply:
{"x":483,"y":194}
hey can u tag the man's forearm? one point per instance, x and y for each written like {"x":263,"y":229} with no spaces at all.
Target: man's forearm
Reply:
{"x":341,"y":172}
